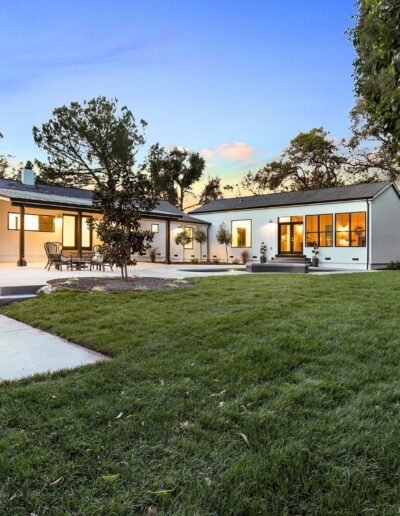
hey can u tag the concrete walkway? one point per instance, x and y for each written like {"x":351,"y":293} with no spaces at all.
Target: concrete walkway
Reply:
{"x":25,"y":351}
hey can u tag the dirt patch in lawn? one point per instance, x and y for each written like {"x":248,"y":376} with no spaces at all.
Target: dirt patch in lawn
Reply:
{"x":117,"y":285}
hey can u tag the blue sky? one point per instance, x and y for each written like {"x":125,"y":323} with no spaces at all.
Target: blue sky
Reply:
{"x":235,"y":79}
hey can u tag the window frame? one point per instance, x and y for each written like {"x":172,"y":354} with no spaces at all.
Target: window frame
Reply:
{"x":158,"y":228}
{"x":251,"y":234}
{"x":190,"y":230}
{"x":35,"y":215}
{"x":318,"y":215}
{"x":350,"y":213}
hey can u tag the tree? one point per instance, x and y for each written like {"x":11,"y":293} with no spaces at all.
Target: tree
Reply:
{"x":174,"y":173}
{"x":95,"y":144}
{"x":183,"y":238}
{"x":375,"y":38}
{"x":224,"y":237}
{"x":200,"y":236}
{"x":3,"y":163}
{"x":314,"y":160}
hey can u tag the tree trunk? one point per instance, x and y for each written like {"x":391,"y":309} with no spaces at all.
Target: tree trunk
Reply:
{"x":226,"y":247}
{"x":201,"y":252}
{"x":183,"y":249}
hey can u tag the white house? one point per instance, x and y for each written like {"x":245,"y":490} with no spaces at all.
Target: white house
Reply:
{"x":355,"y":227}
{"x":32,"y":214}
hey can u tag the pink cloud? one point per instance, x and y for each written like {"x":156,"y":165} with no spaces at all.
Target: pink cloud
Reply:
{"x":237,"y":151}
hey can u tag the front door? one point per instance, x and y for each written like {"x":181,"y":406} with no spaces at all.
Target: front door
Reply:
{"x":290,"y":237}
{"x":70,"y":232}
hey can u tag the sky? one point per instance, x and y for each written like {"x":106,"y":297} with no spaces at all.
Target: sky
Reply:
{"x":234,"y":80}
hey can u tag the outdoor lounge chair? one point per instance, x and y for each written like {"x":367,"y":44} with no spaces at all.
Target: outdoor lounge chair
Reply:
{"x":55,"y":256}
{"x":98,"y":260}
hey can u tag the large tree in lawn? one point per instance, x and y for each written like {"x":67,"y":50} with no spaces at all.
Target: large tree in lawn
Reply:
{"x":376,"y":39}
{"x":95,"y":143}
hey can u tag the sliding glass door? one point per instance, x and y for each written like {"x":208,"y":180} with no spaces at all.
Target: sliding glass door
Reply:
{"x":70,"y":232}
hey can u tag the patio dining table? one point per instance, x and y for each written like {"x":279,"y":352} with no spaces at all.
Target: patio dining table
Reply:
{"x":79,"y":262}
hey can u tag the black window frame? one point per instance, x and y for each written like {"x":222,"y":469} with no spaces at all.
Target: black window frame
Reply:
{"x":251,"y":234}
{"x":350,"y":213}
{"x":35,"y":215}
{"x":319,"y":229}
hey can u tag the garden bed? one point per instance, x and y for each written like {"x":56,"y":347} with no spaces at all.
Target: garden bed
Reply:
{"x":117,"y":285}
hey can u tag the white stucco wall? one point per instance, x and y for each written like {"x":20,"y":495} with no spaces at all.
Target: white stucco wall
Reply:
{"x":385,"y":228}
{"x":177,"y":251}
{"x":265,"y":231}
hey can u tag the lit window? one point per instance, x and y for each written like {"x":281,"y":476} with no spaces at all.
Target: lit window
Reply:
{"x":351,"y":229}
{"x":155,"y":228}
{"x":319,"y":230}
{"x":42,"y":223}
{"x":189,"y":231}
{"x":241,"y":233}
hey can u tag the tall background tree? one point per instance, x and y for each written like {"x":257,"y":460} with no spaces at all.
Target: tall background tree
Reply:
{"x":376,"y":40}
{"x":95,"y":143}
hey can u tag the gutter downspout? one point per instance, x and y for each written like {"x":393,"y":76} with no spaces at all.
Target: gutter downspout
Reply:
{"x":21,"y":262}
{"x":368,"y":235}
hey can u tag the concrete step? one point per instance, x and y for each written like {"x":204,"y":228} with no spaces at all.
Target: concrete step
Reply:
{"x":19,"y":290}
{"x":290,"y":259}
{"x":278,"y":267}
{"x":6,"y":300}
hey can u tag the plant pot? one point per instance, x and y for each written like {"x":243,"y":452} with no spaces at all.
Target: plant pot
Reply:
{"x":263,"y":259}
{"x":315,"y":262}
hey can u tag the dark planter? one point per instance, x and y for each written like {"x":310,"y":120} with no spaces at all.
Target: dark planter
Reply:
{"x":315,"y":261}
{"x":263,"y":259}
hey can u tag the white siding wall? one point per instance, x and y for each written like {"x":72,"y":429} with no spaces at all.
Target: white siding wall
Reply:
{"x":265,"y":231}
{"x":385,"y":228}
{"x":158,"y":240}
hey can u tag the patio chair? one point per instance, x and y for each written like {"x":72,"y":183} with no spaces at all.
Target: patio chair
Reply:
{"x":55,"y":256}
{"x":99,"y":260}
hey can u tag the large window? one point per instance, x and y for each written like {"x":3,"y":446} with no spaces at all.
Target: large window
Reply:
{"x":319,"y":230}
{"x":70,"y":234}
{"x":351,"y":229}
{"x":241,"y":233}
{"x":189,"y":231}
{"x":42,"y":223}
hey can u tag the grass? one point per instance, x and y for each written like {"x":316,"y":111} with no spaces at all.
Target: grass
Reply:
{"x":242,"y":395}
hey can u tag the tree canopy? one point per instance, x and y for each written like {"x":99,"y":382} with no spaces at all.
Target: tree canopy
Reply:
{"x":315,"y":160}
{"x":376,"y":40}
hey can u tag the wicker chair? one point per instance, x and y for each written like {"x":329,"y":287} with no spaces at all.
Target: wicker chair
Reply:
{"x":55,"y":256}
{"x":99,"y":260}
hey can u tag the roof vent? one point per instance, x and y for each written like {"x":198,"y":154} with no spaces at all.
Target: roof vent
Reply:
{"x":28,"y":175}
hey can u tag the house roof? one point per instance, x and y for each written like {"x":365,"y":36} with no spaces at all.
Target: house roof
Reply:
{"x":325,"y":195}
{"x":75,"y":198}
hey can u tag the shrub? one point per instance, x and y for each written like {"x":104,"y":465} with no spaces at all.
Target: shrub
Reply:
{"x":215,"y":261}
{"x":194,"y":261}
{"x":245,"y":256}
{"x":394,"y":265}
{"x":236,"y":261}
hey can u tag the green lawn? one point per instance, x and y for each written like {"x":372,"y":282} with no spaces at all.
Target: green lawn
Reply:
{"x":242,"y":395}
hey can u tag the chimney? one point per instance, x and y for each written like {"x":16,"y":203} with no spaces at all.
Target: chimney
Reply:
{"x":28,"y":175}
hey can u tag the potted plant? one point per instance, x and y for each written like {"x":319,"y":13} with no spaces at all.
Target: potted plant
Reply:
{"x":263,"y":253}
{"x":315,"y":253}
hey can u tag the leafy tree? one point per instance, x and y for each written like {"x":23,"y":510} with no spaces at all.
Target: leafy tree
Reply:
{"x":174,"y":173}
{"x":224,"y":237}
{"x":95,"y":144}
{"x":313,"y":160}
{"x":376,"y":40}
{"x":183,"y":238}
{"x":200,"y":236}
{"x":211,"y":191}
{"x":3,"y":163}
{"x":89,"y":144}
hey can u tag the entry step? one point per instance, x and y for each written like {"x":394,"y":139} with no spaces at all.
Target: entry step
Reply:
{"x":7,"y":300}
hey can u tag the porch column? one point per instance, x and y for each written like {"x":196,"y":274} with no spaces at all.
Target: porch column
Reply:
{"x":79,"y":233}
{"x":21,"y":261}
{"x":168,"y":242}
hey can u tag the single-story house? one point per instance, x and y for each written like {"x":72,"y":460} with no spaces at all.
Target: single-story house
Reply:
{"x":32,"y":214}
{"x":354,"y":227}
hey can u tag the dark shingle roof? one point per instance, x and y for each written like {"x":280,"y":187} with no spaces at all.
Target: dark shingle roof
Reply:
{"x":74,"y":197}
{"x":340,"y":193}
